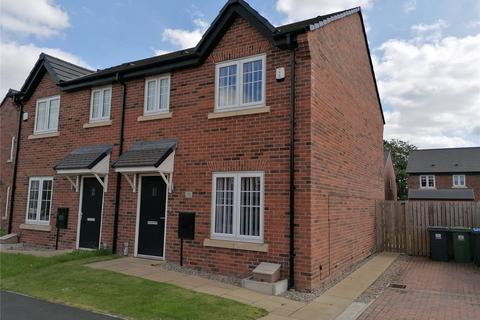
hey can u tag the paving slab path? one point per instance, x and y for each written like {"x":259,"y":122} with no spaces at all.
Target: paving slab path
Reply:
{"x":333,"y":303}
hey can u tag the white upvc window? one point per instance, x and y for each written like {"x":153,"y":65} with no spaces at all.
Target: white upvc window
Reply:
{"x":237,"y":206}
{"x":157,"y":95}
{"x":100,"y":104}
{"x":12,"y":149}
{"x":46,"y":115}
{"x":427,"y":182}
{"x":240,"y":83}
{"x":459,"y":181}
{"x":39,"y":202}
{"x":7,"y":200}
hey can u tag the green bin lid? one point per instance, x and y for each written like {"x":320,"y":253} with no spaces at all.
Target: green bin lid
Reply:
{"x":460,"y":229}
{"x":437,"y":228}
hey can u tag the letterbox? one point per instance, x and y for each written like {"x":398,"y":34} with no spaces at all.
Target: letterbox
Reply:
{"x":186,"y":225}
{"x":62,"y":218}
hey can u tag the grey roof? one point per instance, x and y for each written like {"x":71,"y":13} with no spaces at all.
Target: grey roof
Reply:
{"x":10,"y":94}
{"x":63,"y":70}
{"x":146,"y":154}
{"x":84,"y":157}
{"x":441,"y":194}
{"x":444,"y":160}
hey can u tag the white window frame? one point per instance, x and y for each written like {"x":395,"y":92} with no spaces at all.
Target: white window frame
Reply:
{"x":7,"y":200}
{"x":239,"y":97}
{"x":12,"y":147}
{"x":47,"y":100}
{"x":427,"y":177}
{"x":102,"y":93}
{"x":39,"y":201}
{"x":157,"y":110}
{"x":235,"y":236}
{"x":464,"y":185}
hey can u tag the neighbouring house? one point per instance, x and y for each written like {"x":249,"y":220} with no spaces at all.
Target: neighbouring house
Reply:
{"x":272,"y":136}
{"x":444,"y":174}
{"x":9,"y":112}
{"x":389,"y":177}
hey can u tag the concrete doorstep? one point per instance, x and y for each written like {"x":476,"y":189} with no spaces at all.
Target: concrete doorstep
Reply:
{"x":335,"y":303}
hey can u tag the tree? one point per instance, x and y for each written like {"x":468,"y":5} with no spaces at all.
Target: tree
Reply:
{"x":399,"y":150}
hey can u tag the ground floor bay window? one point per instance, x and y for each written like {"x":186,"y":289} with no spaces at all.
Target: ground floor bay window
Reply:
{"x":237,"y":206}
{"x":39,"y":200}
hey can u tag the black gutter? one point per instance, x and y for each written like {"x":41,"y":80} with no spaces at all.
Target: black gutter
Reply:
{"x":118,"y":186}
{"x":15,"y":164}
{"x":291,"y":40}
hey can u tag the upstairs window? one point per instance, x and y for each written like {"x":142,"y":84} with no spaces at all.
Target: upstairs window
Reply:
{"x":240,"y":83}
{"x":157,"y":95}
{"x":237,"y":206}
{"x":100,"y":104}
{"x":427,"y":182}
{"x":46,"y":115}
{"x":459,"y":181}
{"x":39,"y":200}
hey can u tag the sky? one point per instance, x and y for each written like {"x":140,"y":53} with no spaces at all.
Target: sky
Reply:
{"x":426,"y":53}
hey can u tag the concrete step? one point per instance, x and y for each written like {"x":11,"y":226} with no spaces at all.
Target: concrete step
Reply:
{"x":10,"y":238}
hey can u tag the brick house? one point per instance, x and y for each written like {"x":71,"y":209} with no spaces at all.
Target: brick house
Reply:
{"x":389,"y":177}
{"x":8,"y":130}
{"x":444,"y":174}
{"x":271,"y":135}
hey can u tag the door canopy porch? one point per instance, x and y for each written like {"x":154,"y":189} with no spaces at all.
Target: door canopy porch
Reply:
{"x":155,"y":157}
{"x":86,"y":161}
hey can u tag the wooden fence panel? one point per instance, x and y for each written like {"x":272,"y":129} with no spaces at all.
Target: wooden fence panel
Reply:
{"x":401,"y":226}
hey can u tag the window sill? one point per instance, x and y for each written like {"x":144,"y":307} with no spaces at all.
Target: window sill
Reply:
{"x":36,"y":227}
{"x":239,"y":112}
{"x":157,"y":116}
{"x":9,"y":161}
{"x":43,"y":135}
{"x":228,"y":244}
{"x":98,"y":124}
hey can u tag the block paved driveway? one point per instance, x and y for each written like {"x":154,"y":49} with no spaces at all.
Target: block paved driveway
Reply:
{"x":435,"y":290}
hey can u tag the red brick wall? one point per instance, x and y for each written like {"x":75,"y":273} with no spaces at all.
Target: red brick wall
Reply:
{"x":390,"y":183}
{"x":347,"y":149}
{"x":445,"y":181}
{"x":38,"y":157}
{"x":242,"y":143}
{"x":8,"y":129}
{"x":338,"y":154}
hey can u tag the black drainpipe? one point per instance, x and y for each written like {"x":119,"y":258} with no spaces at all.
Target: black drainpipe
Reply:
{"x":118,"y":186}
{"x":15,"y":164}
{"x":292,"y":46}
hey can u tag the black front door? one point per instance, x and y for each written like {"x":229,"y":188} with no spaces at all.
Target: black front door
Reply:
{"x":151,"y":227}
{"x":91,"y":211}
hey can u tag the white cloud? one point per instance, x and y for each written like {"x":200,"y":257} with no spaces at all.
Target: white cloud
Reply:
{"x":303,"y":9}
{"x":433,"y":88}
{"x":409,"y":6}
{"x":159,"y":52}
{"x":16,"y":61}
{"x":182,"y":38}
{"x":41,"y":18}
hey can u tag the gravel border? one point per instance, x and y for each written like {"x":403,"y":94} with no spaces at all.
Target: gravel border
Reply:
{"x":393,"y":274}
{"x":291,"y":294}
{"x":329,"y":283}
{"x":171,"y":266}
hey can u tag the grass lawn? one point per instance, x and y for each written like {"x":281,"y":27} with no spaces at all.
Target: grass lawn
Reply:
{"x":65,"y":279}
{"x":2,"y":232}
